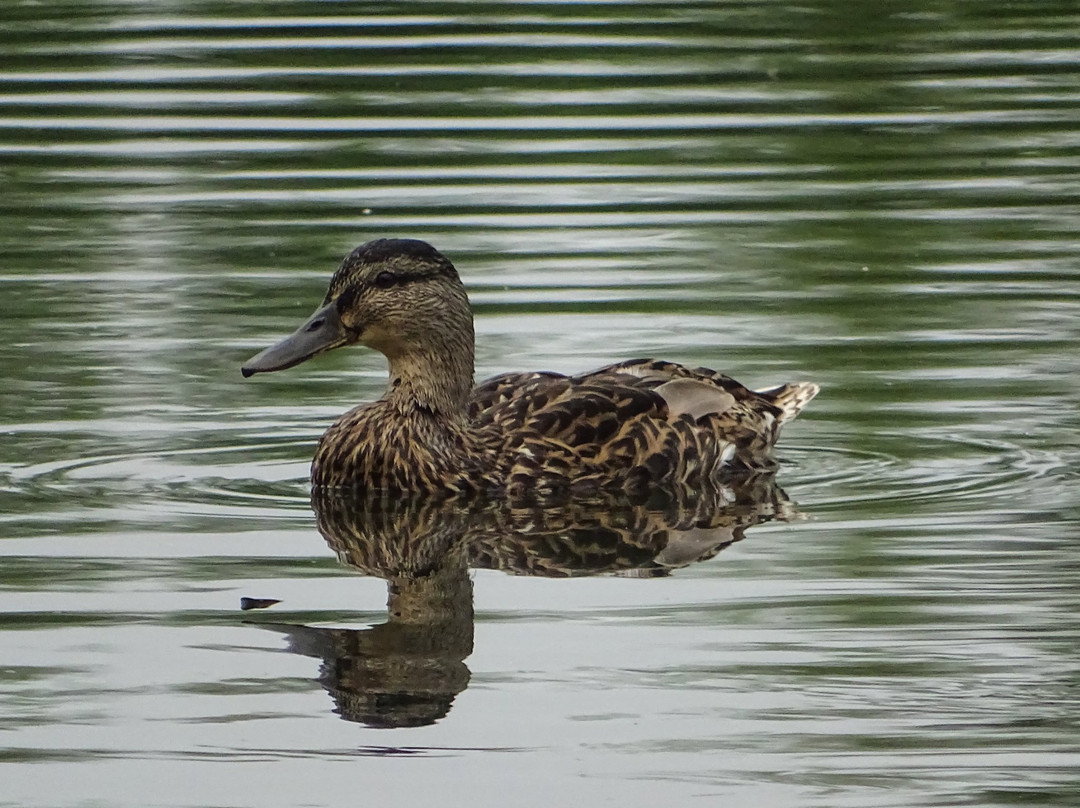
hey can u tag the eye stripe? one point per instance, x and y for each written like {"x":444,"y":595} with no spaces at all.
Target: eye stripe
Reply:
{"x":345,"y":299}
{"x":387,"y":279}
{"x":384,"y":280}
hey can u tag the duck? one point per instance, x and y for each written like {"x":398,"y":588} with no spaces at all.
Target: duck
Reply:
{"x":629,"y":428}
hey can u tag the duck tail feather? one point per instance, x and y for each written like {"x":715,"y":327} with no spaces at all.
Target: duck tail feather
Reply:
{"x":790,"y":397}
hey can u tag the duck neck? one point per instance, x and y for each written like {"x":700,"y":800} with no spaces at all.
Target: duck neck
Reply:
{"x":437,"y":378}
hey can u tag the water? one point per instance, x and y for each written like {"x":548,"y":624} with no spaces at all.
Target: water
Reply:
{"x":881,"y":198}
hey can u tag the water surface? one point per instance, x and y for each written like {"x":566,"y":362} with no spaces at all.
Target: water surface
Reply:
{"x":880,"y":198}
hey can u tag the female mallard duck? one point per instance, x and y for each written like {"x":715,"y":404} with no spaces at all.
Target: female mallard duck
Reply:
{"x":635,"y":426}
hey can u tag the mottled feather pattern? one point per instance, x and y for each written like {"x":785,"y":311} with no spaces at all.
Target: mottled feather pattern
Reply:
{"x":611,"y":428}
{"x":374,"y":448}
{"x":790,"y":398}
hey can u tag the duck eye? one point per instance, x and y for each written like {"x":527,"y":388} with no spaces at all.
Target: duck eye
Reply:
{"x":384,"y":280}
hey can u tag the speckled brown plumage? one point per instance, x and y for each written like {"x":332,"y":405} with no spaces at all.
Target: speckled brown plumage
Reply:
{"x":633,"y":427}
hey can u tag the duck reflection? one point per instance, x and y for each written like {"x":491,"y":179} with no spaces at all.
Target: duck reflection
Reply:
{"x":408,"y":670}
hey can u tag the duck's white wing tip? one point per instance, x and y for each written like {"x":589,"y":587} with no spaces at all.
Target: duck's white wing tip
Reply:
{"x":791,"y":397}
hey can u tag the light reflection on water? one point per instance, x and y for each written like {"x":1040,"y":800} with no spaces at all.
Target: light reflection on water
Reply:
{"x":749,"y":187}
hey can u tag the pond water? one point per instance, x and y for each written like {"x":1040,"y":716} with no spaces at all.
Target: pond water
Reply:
{"x":882,"y":198}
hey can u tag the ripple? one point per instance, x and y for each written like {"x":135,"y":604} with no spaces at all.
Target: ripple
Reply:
{"x":956,"y":476}
{"x":263,"y":481}
{"x":514,"y":123}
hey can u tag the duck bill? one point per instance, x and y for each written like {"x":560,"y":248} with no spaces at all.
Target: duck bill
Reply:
{"x":322,"y":332}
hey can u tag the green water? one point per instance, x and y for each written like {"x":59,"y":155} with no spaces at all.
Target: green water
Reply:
{"x":879,"y":197}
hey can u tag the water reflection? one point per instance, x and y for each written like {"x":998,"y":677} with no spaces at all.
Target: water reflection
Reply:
{"x":408,"y":670}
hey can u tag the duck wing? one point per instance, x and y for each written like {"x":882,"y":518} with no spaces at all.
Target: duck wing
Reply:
{"x":786,"y":400}
{"x":634,"y":425}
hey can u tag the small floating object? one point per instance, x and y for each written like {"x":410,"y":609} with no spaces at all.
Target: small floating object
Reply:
{"x":247,"y":604}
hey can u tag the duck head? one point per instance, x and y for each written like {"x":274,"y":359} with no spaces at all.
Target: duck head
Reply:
{"x":401,"y":297}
